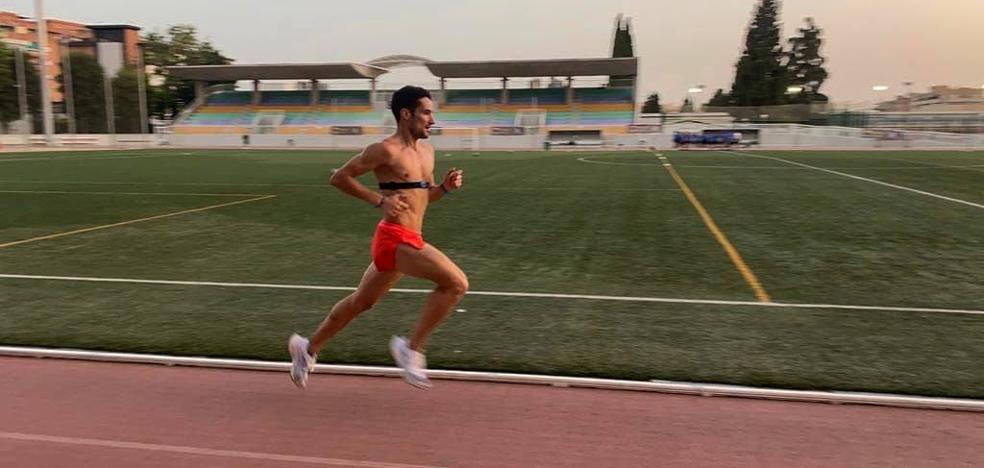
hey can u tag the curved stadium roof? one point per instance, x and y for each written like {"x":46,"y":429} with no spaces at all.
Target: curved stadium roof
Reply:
{"x":283,"y":71}
{"x":526,"y":68}
{"x":472,"y":69}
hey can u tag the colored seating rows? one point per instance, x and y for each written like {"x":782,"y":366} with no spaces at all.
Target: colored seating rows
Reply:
{"x":462,"y":108}
{"x":590,"y":106}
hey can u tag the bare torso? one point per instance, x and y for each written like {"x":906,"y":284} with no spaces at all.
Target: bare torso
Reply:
{"x":407,"y":164}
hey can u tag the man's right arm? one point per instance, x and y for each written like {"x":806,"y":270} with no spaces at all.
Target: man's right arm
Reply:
{"x":345,"y":180}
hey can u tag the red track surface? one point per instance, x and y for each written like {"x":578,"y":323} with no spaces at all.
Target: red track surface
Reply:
{"x":85,"y":414}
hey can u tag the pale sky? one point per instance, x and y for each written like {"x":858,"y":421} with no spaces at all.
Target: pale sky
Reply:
{"x":680,"y":44}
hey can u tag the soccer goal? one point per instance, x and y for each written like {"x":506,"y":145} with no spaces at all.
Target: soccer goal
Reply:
{"x":531,"y":120}
{"x":267,"y":121}
{"x":457,"y":138}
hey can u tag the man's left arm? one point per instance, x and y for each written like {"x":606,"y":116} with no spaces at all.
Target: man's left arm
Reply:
{"x":451,"y":182}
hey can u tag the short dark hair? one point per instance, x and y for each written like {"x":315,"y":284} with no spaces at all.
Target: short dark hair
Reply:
{"x":407,"y":97}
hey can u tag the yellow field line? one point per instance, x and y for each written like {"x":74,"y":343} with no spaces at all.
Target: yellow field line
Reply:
{"x":133,"y":221}
{"x":78,"y":158}
{"x":183,"y":194}
{"x":733,"y":254}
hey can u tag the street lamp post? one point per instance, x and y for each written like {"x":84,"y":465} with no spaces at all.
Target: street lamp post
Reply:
{"x":22,"y":90}
{"x":42,"y":34}
{"x":877,"y":89}
{"x":692,"y":92}
{"x":142,"y":91}
{"x":69,"y":95}
{"x":980,"y":118}
{"x":908,"y":95}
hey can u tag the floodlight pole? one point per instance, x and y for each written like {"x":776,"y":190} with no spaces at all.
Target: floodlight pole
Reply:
{"x":42,"y":30}
{"x":22,"y":89}
{"x":69,"y":96}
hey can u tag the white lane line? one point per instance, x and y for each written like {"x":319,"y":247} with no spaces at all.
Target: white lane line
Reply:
{"x":614,"y":163}
{"x":660,"y":386}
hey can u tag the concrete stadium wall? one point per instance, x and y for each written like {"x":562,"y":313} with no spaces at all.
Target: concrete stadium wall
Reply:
{"x":441,"y":142}
{"x":853,"y":138}
{"x":771,"y":137}
{"x":83,"y":141}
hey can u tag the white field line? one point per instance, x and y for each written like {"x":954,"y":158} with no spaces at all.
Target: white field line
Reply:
{"x":866,"y":168}
{"x":537,"y":189}
{"x":971,"y":167}
{"x":865,"y":179}
{"x":713,"y":166}
{"x":607,"y":163}
{"x":667,"y":300}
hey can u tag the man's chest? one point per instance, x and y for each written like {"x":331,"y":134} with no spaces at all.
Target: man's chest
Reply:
{"x":411,"y":166}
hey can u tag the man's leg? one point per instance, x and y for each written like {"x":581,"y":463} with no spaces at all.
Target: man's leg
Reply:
{"x":374,"y":285}
{"x":431,"y":264}
{"x":302,"y":351}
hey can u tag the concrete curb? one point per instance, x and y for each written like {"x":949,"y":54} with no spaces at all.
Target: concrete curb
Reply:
{"x":684,"y":388}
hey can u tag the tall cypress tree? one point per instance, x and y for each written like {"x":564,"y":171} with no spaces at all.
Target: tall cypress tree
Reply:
{"x":88,"y":93}
{"x":8,"y":86}
{"x":759,"y":76}
{"x":804,"y":64}
{"x":652,"y":106}
{"x":10,"y":93}
{"x":126,"y":104}
{"x":720,"y":99}
{"x":33,"y":95}
{"x":622,"y":47}
{"x":687,"y":106}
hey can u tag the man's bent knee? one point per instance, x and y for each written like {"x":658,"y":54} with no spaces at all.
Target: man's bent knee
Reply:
{"x":456,"y":286}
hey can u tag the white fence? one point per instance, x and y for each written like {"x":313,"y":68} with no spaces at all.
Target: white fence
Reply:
{"x":771,"y":136}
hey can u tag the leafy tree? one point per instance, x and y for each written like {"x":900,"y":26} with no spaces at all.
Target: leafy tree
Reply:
{"x":622,"y":47}
{"x":804,"y":64}
{"x":688,"y":106}
{"x":180,"y":45}
{"x":651,"y":106}
{"x":10,"y":96}
{"x":760,"y":79}
{"x":126,"y":104}
{"x":88,"y":93}
{"x":720,"y":99}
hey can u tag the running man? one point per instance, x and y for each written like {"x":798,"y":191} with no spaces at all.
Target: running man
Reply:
{"x":404,"y":167}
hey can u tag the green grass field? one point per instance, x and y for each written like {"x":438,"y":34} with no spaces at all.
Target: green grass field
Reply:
{"x":606,"y":224}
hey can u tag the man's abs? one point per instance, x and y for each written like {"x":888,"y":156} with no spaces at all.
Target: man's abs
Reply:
{"x":413,"y":216}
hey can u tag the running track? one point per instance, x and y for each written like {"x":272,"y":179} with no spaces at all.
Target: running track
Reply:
{"x":56,"y":413}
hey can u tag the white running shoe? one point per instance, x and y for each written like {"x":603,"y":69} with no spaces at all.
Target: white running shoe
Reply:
{"x":302,"y":362}
{"x":414,"y":364}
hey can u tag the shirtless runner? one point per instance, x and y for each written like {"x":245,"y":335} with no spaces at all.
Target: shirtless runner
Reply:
{"x":404,"y":167}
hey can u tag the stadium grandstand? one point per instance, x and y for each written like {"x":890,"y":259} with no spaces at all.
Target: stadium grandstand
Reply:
{"x":308,"y":116}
